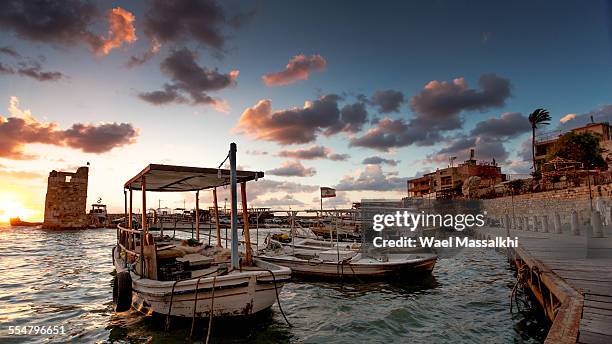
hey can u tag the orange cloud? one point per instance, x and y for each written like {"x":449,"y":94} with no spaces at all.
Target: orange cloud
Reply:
{"x":567,"y":118}
{"x":121,"y":30}
{"x":298,"y":68}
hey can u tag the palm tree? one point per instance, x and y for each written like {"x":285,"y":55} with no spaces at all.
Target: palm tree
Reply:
{"x":537,"y":117}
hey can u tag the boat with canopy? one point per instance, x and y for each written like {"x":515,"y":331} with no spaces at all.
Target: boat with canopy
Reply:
{"x":157,"y":273}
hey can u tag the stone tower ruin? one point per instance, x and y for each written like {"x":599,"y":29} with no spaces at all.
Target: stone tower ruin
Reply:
{"x":66,"y":200}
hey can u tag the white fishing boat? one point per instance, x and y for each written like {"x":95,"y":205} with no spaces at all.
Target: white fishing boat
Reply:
{"x":188,"y":278}
{"x":337,"y":263}
{"x":308,"y":243}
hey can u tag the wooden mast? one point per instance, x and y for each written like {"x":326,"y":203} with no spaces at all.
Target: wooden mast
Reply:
{"x":245,"y":221}
{"x":216,"y":205}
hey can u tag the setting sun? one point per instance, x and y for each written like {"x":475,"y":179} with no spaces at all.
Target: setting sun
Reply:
{"x":10,"y":206}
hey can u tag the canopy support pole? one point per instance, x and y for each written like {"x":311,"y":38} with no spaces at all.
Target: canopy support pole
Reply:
{"x":245,"y":221}
{"x":218,"y":225}
{"x":143,"y":220}
{"x":197,"y":215}
{"x":130,"y":217}
{"x":234,"y":187}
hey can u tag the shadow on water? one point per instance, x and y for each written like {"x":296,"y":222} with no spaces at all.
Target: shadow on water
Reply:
{"x":259,"y":328}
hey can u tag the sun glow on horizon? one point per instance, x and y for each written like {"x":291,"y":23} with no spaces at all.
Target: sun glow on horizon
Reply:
{"x":11,"y":206}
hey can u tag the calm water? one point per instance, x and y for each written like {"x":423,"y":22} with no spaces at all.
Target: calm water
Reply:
{"x":64,"y":279}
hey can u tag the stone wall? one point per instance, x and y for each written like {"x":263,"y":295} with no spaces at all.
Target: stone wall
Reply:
{"x":66,"y":200}
{"x":548,"y":203}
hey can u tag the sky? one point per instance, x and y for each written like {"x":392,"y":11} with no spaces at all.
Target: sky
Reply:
{"x":355,"y":95}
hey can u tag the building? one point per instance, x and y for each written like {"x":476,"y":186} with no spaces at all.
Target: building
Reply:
{"x":447,"y":182}
{"x":545,"y":142}
{"x":66,"y":200}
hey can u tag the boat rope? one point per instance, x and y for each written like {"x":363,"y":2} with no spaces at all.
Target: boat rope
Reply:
{"x":275,"y":290}
{"x":348,"y":262}
{"x":224,"y":160}
{"x":212,"y":308}
{"x":170,"y":307}
{"x":520,"y":281}
{"x":195,"y":307}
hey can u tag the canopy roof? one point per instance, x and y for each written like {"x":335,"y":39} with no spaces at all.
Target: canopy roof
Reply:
{"x":169,"y":178}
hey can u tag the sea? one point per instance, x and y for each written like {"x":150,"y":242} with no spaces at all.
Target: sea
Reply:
{"x":63,"y":280}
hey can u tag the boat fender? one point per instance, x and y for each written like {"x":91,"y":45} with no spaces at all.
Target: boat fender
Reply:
{"x":122,"y":291}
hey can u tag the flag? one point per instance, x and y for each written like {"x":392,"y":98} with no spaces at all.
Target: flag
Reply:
{"x":327,"y":192}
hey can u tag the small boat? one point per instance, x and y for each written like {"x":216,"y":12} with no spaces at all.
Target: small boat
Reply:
{"x":16,"y":222}
{"x":285,"y":239}
{"x":348,"y":234}
{"x":188,"y":278}
{"x":338,"y":263}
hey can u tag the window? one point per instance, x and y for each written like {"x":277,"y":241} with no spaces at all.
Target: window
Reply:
{"x":68,"y":179}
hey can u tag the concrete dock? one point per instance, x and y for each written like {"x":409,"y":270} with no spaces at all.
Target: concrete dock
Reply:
{"x":568,"y":267}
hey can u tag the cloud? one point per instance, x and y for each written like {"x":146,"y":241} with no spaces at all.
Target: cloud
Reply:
{"x":371,"y":178}
{"x":9,"y":51}
{"x":299,"y":125}
{"x":508,"y":125}
{"x":442,"y":99}
{"x":600,"y":114}
{"x":21,"y":129}
{"x":312,"y":153}
{"x":387,"y":101}
{"x":485,"y":149}
{"x":201,"y":20}
{"x":486,"y":138}
{"x":352,"y":118}
{"x":292,"y":169}
{"x":567,"y":118}
{"x":66,"y":23}
{"x":437,"y":108}
{"x":121,"y":30}
{"x":13,"y":174}
{"x":341,"y":200}
{"x":146,"y":56}
{"x":285,"y":201}
{"x":28,"y":67}
{"x":259,"y":189}
{"x":256,"y":152}
{"x":63,"y":22}
{"x":190,"y":82}
{"x":99,"y":138}
{"x":34,"y":70}
{"x":376,"y":160}
{"x":299,"y":68}
{"x":391,"y":133}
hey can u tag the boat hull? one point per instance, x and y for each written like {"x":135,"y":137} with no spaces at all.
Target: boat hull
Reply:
{"x":356,"y":270}
{"x":233,"y":294}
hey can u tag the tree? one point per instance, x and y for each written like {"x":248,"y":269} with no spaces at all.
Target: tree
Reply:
{"x":537,"y":117}
{"x":581,"y":147}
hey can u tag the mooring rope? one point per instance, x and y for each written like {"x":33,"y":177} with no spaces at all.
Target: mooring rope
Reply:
{"x":195,"y":307}
{"x":170,"y":307}
{"x":520,"y":279}
{"x":212,"y":308}
{"x":275,"y":290}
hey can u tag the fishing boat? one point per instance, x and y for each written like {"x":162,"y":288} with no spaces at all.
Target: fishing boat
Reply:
{"x":337,"y":263}
{"x":309,"y":243}
{"x":187,"y":278}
